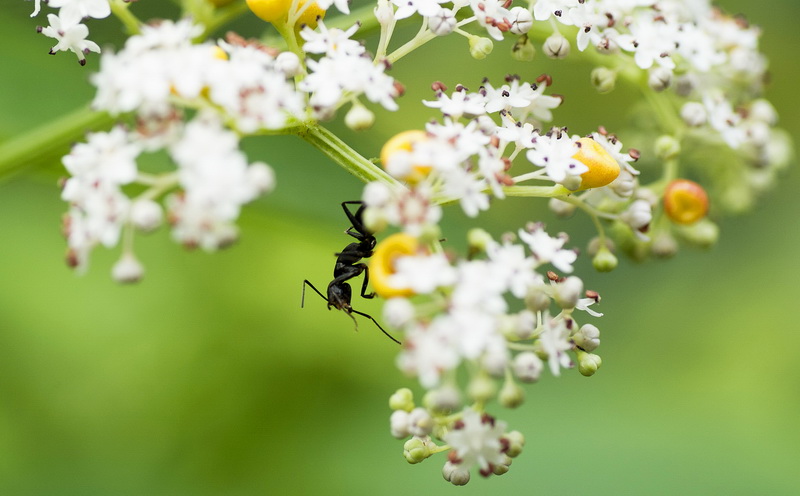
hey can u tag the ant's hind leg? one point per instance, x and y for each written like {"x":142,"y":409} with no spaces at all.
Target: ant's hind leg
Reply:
{"x":370,"y":317}
{"x":303,"y":299}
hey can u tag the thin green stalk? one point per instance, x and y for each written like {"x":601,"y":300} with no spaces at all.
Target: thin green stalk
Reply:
{"x":122,"y":11}
{"x":341,"y":153}
{"x":49,"y":140}
{"x":223,"y":16}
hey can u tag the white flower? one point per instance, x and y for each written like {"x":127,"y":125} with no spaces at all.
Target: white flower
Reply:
{"x":341,"y":5}
{"x":512,"y":266}
{"x":70,"y":36}
{"x":459,"y":104}
{"x":508,"y":96}
{"x":426,"y":8}
{"x":422,"y":274}
{"x":555,"y":152}
{"x":476,"y":440}
{"x":107,"y":157}
{"x":554,"y":341}
{"x":331,"y":41}
{"x":548,"y":250}
{"x":430,"y":350}
{"x":75,"y":10}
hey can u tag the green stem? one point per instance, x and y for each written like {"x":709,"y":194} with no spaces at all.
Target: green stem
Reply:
{"x":555,"y":191}
{"x":49,"y":140}
{"x":121,"y":10}
{"x":341,"y":153}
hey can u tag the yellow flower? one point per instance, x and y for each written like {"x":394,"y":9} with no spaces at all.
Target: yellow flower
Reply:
{"x":381,"y":264}
{"x":405,"y":142}
{"x":603,"y":168}
{"x":278,"y":10}
{"x":685,"y":202}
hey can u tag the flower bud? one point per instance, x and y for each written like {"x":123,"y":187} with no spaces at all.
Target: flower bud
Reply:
{"x":588,"y":363}
{"x":703,"y":233}
{"x":685,"y":202}
{"x":604,"y":79}
{"x":442,"y":23}
{"x":638,"y":215}
{"x":537,"y":299}
{"x":527,"y":366}
{"x":624,"y":185}
{"x":444,"y":399}
{"x":561,"y":208}
{"x":384,"y":12}
{"x":402,"y":399}
{"x":523,"y":50}
{"x":481,"y":388}
{"x":604,"y":260}
{"x":521,"y":20}
{"x":664,"y":245}
{"x":359,"y":118}
{"x":667,"y":147}
{"x":511,"y":395}
{"x":478,"y":239}
{"x":416,"y":450}
{"x":694,"y":114}
{"x":502,"y":467}
{"x":480,"y":47}
{"x":556,"y":46}
{"x":146,"y":214}
{"x":420,"y":422}
{"x":398,"y":424}
{"x":289,"y":64}
{"x":127,"y":269}
{"x":515,"y":443}
{"x":567,"y":293}
{"x":587,"y":337}
{"x":660,"y":78}
{"x":455,"y":474}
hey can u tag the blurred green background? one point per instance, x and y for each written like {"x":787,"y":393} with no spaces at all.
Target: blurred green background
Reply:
{"x":208,"y":378}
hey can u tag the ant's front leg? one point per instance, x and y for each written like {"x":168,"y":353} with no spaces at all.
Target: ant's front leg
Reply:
{"x":355,"y":220}
{"x":364,"y":293}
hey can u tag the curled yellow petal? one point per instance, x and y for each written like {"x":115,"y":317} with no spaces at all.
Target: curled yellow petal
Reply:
{"x":405,"y":142}
{"x":381,"y":264}
{"x":685,"y":202}
{"x":603,"y":168}
{"x":276,"y":10}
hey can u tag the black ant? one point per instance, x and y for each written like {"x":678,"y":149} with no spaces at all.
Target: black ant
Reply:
{"x":349,"y":265}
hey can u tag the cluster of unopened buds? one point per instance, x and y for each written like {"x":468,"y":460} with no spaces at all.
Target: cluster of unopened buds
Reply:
{"x":508,"y":308}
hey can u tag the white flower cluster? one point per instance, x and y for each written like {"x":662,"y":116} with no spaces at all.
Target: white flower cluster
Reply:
{"x":467,"y":314}
{"x":470,"y":154}
{"x":67,"y":26}
{"x":212,"y":173}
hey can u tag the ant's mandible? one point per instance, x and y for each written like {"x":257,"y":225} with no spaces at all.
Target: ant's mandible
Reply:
{"x":349,"y":265}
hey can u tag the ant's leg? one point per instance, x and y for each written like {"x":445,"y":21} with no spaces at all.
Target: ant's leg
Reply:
{"x":355,"y":219}
{"x":376,"y":323}
{"x":303,"y":299}
{"x":366,"y":281}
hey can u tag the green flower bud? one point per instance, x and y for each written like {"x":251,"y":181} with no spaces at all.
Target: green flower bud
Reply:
{"x":523,"y":50}
{"x":455,"y":474}
{"x":481,"y":388}
{"x":416,"y":450}
{"x":502,"y":468}
{"x":588,"y":363}
{"x":511,"y":395}
{"x":480,"y":47}
{"x":478,"y":240}
{"x":402,"y":399}
{"x":703,"y":233}
{"x":604,"y":79}
{"x":667,"y":147}
{"x":444,"y":399}
{"x":515,"y":443}
{"x":605,"y":261}
{"x":664,"y":245}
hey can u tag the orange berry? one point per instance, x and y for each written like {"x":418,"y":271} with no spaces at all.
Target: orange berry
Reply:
{"x":381,"y":264}
{"x":685,"y":202}
{"x":405,"y":142}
